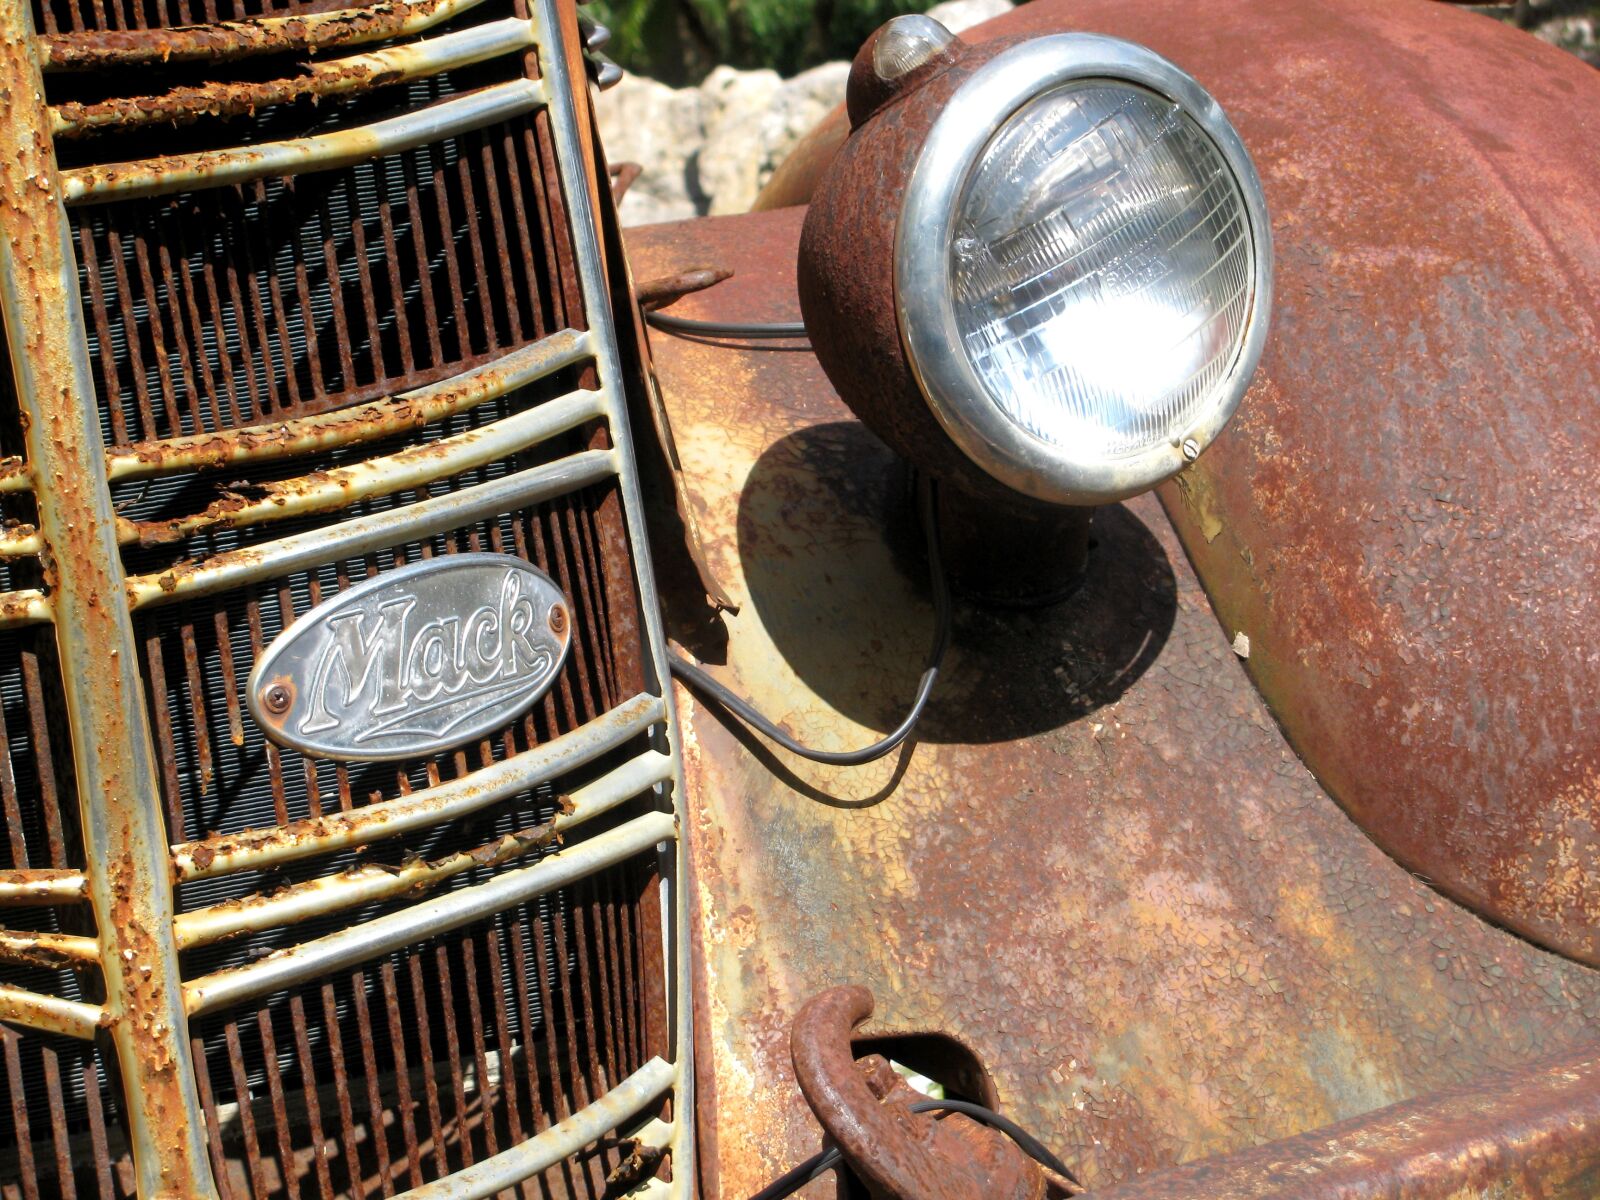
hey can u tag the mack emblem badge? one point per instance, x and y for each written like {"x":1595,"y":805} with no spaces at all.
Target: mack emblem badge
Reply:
{"x":414,"y":661}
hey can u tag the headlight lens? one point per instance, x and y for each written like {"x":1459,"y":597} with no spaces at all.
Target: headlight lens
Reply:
{"x":1083,"y":268}
{"x":1100,"y":269}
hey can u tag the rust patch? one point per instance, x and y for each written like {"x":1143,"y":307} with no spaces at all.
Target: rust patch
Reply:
{"x":1101,"y":867}
{"x":230,"y":39}
{"x":186,"y":105}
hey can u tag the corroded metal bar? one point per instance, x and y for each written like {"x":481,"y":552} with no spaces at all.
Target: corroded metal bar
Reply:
{"x":124,"y":840}
{"x":383,"y":935}
{"x":365,"y":535}
{"x":19,"y":889}
{"x":414,"y":467}
{"x":19,"y":541}
{"x":52,"y":951}
{"x":317,"y":80}
{"x":15,"y":475}
{"x":226,"y":40}
{"x":254,"y":849}
{"x":364,"y":885}
{"x":321,"y":152}
{"x":28,"y":606}
{"x":547,"y":1148}
{"x":561,"y":65}
{"x":50,"y":1014}
{"x":384,"y":418}
{"x":1524,"y":1133}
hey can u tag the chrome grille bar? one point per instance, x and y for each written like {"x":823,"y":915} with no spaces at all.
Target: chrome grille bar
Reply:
{"x":509,"y":1168}
{"x":367,"y":534}
{"x":389,"y":818}
{"x":227,"y":40}
{"x":366,"y":422}
{"x":51,"y":1014}
{"x":125,"y":847}
{"x":364,"y":885}
{"x":321,"y":79}
{"x":324,"y":152}
{"x":383,"y":935}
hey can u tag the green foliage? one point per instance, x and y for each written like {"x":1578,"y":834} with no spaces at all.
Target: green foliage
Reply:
{"x":679,"y":41}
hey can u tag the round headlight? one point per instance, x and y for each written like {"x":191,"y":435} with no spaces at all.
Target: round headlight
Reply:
{"x":1082,"y":268}
{"x":1037,"y":268}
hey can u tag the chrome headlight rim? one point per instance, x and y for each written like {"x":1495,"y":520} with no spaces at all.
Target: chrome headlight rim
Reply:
{"x":925,"y":310}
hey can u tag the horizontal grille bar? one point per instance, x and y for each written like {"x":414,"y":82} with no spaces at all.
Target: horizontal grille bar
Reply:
{"x":46,"y":949}
{"x":29,"y":606}
{"x":414,"y":467}
{"x":510,"y":1167}
{"x":366,"y":422}
{"x":45,"y":885}
{"x":224,"y":40}
{"x":431,"y":806}
{"x":20,"y":541}
{"x":386,"y":934}
{"x":365,"y":535}
{"x":365,"y":885}
{"x":318,"y":80}
{"x":50,"y":1014}
{"x":322,"y":152}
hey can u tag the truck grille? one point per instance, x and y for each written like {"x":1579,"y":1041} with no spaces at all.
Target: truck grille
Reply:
{"x":308,"y":367}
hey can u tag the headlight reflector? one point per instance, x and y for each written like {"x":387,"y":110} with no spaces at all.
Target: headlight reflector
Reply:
{"x":1100,"y":269}
{"x":1082,"y":268}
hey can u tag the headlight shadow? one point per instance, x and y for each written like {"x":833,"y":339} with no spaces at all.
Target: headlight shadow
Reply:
{"x":835,"y":571}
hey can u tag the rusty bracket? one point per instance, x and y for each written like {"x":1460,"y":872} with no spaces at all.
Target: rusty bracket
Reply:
{"x":622,"y":175}
{"x":667,"y":289}
{"x":896,"y":1153}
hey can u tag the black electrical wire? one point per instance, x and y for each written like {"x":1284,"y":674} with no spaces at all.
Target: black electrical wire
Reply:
{"x":702,"y":682}
{"x":754,"y":331}
{"x":821,"y":1163}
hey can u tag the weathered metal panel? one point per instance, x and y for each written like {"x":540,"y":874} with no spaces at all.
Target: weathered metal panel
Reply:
{"x":1404,"y":518}
{"x":1532,"y":1133}
{"x":1101,"y":868}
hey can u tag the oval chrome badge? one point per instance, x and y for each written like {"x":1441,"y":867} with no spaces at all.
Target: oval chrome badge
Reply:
{"x":414,"y":661}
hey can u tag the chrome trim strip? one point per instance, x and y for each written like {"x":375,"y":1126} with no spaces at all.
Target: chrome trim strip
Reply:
{"x":568,"y":85}
{"x":323,"y":152}
{"x":363,"y":885}
{"x":227,"y":40}
{"x":256,"y":848}
{"x":363,"y":535}
{"x":50,"y":1014}
{"x":32,"y":948}
{"x":382,"y":935}
{"x":548,"y":1147}
{"x":21,"y":889}
{"x":414,"y":467}
{"x":391,"y":415}
{"x":319,"y":79}
{"x":27,"y":607}
{"x":124,"y":838}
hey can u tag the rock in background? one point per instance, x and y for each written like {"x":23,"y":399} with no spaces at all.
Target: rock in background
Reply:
{"x":707,"y":150}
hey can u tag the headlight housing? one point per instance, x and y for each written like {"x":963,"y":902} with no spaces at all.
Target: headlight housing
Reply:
{"x":1080,"y":268}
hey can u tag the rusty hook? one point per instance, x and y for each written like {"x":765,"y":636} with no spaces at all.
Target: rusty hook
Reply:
{"x":866,"y":1109}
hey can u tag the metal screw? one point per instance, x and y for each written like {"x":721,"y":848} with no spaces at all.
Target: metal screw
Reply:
{"x":558,"y":620}
{"x":1191,"y":449}
{"x":277,"y":699}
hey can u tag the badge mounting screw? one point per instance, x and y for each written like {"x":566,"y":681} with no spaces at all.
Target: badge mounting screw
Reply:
{"x":276,"y":699}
